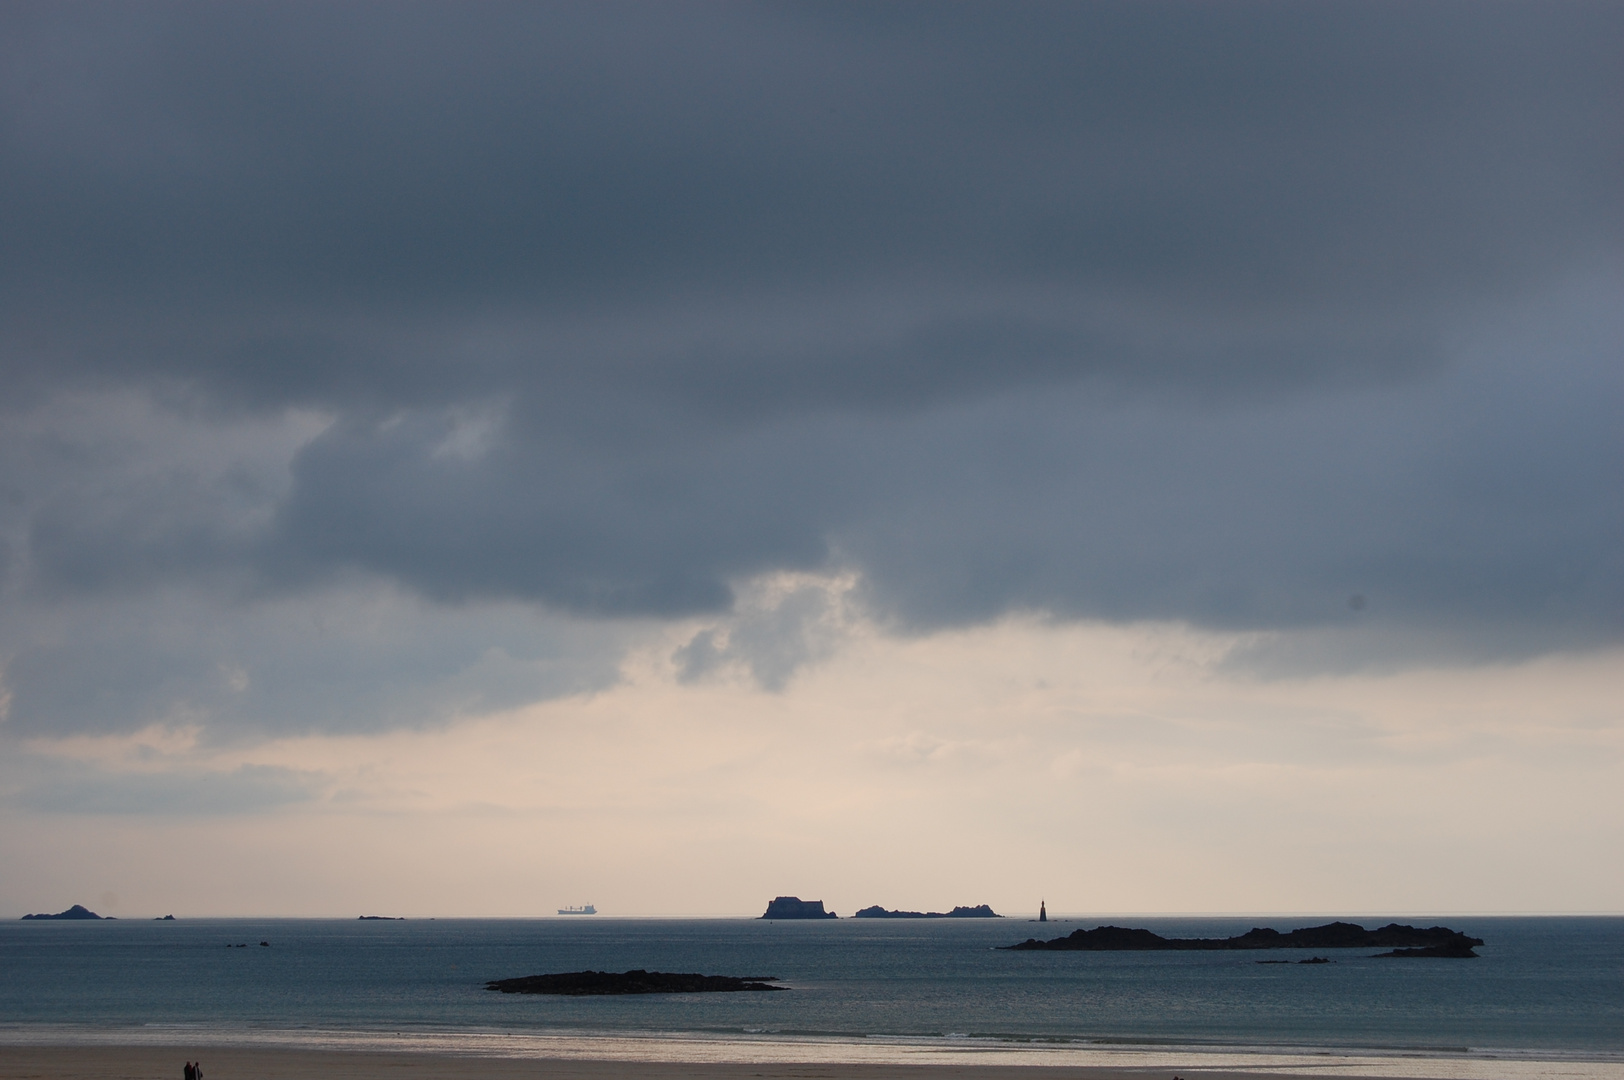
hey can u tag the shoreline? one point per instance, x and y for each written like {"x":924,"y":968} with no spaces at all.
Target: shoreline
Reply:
{"x":266,"y":1054}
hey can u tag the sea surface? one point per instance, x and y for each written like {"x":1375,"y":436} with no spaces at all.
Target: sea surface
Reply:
{"x":1546,"y":990}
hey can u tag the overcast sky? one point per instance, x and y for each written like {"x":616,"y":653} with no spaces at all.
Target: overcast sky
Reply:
{"x":687,"y":453}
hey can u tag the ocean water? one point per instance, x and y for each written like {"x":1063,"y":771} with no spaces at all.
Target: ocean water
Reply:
{"x":1545,"y":989}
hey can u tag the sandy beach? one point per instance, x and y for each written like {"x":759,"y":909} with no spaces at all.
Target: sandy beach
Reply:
{"x":150,"y":1062}
{"x":165,"y":1063}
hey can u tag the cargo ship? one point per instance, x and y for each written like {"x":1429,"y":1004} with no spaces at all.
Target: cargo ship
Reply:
{"x":584,"y":909}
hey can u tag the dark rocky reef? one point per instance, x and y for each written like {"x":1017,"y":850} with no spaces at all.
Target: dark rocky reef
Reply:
{"x":596,"y":983}
{"x":164,"y":918}
{"x":77,"y":911}
{"x":1411,"y":941}
{"x":793,"y":907}
{"x":1454,"y":950}
{"x":980,"y":911}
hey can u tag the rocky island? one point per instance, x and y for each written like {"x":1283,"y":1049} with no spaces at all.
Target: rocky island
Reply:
{"x":793,"y":907}
{"x":980,"y":911}
{"x":598,"y":983}
{"x":1434,"y":941}
{"x":77,"y":911}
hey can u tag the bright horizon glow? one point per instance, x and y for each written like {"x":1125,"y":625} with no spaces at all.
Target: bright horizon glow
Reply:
{"x":1126,"y":768}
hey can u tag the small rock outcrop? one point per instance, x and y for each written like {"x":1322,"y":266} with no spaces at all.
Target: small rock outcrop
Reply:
{"x":980,"y":911}
{"x":77,"y":911}
{"x":793,"y":907}
{"x":598,"y":983}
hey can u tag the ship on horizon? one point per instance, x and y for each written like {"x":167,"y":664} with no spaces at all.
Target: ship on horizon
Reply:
{"x":584,"y":909}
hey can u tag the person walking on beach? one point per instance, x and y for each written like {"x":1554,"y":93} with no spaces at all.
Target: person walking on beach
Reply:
{"x":191,"y":1071}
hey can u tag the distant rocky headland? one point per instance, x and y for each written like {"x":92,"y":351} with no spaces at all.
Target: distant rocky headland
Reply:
{"x":793,"y":907}
{"x":980,"y":911}
{"x":1405,"y":941}
{"x":596,"y":983}
{"x":77,"y":911}
{"x":381,"y":918}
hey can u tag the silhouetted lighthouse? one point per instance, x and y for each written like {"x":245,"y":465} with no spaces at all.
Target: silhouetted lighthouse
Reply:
{"x":1043,"y":912}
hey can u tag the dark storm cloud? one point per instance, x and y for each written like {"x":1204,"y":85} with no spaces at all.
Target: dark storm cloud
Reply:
{"x":268,"y":199}
{"x":1122,"y":311}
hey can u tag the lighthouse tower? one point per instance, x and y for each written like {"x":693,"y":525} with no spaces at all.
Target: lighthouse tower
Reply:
{"x":1043,"y":912}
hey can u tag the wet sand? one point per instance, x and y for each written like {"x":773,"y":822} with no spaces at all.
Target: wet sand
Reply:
{"x":150,"y":1062}
{"x":165,"y":1063}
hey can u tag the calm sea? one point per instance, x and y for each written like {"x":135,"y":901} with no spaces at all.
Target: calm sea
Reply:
{"x":1545,"y":989}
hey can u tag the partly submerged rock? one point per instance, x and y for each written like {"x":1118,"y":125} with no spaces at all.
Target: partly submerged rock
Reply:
{"x":1454,"y":950}
{"x":595,"y":983}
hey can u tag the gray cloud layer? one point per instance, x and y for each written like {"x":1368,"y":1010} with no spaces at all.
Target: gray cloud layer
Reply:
{"x":53,"y":788}
{"x":1226,"y":314}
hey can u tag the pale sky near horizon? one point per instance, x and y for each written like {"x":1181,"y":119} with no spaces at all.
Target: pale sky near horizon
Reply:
{"x":1151,"y":457}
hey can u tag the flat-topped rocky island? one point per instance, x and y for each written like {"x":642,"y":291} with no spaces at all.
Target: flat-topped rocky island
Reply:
{"x":793,"y":907}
